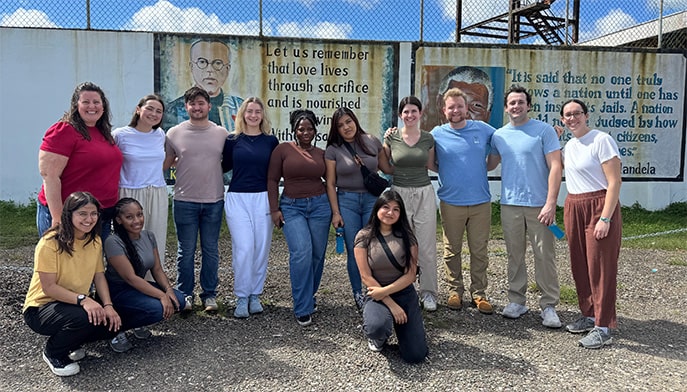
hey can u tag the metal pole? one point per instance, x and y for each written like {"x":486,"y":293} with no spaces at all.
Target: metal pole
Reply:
{"x":260,"y":5}
{"x":660,"y":25}
{"x":422,"y":18}
{"x":88,"y":14}
{"x":567,"y":21}
{"x":459,"y":18}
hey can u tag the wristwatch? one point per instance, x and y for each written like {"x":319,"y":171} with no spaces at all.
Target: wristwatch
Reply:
{"x":80,"y":298}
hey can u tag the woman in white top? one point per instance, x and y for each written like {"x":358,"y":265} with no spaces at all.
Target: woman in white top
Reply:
{"x":593,"y":223}
{"x":142,"y":143}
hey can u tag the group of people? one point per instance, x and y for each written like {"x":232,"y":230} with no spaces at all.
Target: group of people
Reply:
{"x":104,"y":194}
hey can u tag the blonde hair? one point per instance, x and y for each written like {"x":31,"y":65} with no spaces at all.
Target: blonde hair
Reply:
{"x":265,"y":124}
{"x":454,"y":92}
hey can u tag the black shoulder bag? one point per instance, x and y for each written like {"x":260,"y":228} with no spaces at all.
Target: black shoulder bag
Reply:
{"x":374,"y":183}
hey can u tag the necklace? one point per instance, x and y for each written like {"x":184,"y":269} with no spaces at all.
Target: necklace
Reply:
{"x":252,"y":138}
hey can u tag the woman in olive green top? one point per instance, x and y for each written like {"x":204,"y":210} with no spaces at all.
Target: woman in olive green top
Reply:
{"x":411,"y":151}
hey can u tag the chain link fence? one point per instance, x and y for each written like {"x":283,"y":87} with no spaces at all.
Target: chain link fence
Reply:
{"x":645,"y":23}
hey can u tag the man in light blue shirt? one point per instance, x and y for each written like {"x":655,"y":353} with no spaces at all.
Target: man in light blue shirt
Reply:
{"x":530,"y":157}
{"x":461,"y":149}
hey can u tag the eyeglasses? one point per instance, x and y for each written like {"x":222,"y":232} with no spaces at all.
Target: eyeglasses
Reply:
{"x":85,"y":214}
{"x":569,"y":116}
{"x":217,"y":64}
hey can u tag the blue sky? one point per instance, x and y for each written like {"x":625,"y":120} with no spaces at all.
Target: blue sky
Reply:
{"x":385,"y":20}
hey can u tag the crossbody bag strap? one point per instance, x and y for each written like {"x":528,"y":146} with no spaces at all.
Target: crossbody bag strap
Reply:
{"x":390,"y":255}
{"x":355,"y":156}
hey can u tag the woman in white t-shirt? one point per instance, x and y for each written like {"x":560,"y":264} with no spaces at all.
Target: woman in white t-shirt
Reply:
{"x":593,"y":223}
{"x":142,"y":143}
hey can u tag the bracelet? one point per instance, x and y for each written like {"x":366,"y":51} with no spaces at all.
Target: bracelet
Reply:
{"x":605,"y":220}
{"x":335,"y":213}
{"x":106,"y":305}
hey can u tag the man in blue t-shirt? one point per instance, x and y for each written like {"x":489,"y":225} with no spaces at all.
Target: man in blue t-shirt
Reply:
{"x":530,"y":157}
{"x":461,"y":149}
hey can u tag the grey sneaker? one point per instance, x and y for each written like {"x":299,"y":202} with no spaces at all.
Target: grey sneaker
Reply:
{"x":142,"y":333}
{"x":513,"y":310}
{"x":241,"y":310}
{"x":77,"y":354}
{"x":359,"y":299}
{"x":550,"y":318}
{"x":375,"y":346}
{"x":429,"y":302}
{"x":254,"y":305}
{"x":596,"y":338}
{"x":581,"y":325}
{"x":120,"y":343}
{"x":210,"y":304}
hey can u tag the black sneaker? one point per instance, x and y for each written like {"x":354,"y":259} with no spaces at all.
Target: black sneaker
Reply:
{"x":304,"y":320}
{"x":62,"y":367}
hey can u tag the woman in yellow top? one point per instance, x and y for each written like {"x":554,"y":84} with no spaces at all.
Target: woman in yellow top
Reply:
{"x":68,"y":258}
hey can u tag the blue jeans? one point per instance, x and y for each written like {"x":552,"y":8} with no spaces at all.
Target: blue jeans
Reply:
{"x":378,"y":322}
{"x":137,"y":309}
{"x":355,"y":209}
{"x":190,"y":218}
{"x":44,"y":220}
{"x":306,"y":229}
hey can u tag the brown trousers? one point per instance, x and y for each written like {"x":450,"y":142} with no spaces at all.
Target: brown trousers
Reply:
{"x":594,"y":263}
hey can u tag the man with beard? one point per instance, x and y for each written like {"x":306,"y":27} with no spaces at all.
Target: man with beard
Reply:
{"x":462,"y":146}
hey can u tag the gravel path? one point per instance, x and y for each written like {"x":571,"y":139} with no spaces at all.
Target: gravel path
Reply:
{"x":468,"y":351}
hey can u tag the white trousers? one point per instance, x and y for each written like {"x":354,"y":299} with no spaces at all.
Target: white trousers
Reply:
{"x":250,"y":225}
{"x":155,"y":203}
{"x":421,"y":208}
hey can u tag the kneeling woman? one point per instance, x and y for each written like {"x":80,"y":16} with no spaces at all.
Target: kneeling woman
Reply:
{"x":386,"y":255}
{"x":131,"y":253}
{"x":67,"y":260}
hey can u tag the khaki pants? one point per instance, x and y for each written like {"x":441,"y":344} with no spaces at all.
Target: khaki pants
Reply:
{"x":520,"y":224}
{"x":455,"y":220}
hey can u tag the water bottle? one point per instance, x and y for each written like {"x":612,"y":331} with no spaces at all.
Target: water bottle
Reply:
{"x":339,"y":240}
{"x":556,"y":230}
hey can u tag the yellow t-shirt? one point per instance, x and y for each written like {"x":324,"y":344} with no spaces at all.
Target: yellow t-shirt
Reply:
{"x":74,"y":273}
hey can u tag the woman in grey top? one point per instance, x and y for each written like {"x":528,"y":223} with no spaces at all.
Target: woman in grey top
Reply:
{"x":131,"y":252}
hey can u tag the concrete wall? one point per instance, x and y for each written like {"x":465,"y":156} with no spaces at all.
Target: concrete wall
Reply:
{"x":40,"y":68}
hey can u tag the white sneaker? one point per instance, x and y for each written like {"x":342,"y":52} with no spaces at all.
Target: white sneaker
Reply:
{"x":188,"y":304}
{"x":373,"y":346}
{"x":429,"y":302}
{"x":513,"y":310}
{"x":550,"y":318}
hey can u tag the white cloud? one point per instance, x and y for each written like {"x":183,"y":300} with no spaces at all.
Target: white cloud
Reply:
{"x":26,"y":18}
{"x":613,"y":21}
{"x":164,"y":16}
{"x":324,"y":30}
{"x":364,"y":4}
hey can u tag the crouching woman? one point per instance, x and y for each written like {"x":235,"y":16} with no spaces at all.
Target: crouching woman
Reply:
{"x":386,"y":255}
{"x":132,"y":252}
{"x":68,"y":258}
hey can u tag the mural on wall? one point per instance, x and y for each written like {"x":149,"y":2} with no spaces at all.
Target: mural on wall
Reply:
{"x":483,"y":87}
{"x":638,"y":98}
{"x":285,"y":74}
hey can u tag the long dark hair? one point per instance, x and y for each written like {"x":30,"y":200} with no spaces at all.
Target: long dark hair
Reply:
{"x":64,"y":231}
{"x":137,"y":116}
{"x":130,"y":250}
{"x":73,"y":117}
{"x":334,"y":138}
{"x":400,"y":229}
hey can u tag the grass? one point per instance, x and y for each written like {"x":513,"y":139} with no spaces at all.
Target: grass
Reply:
{"x":18,"y":226}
